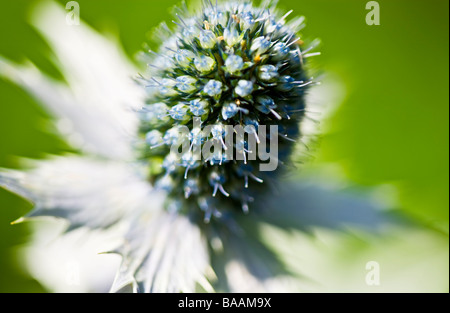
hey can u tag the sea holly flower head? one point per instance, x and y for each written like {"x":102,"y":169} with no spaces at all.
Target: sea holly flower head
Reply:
{"x":227,"y":66}
{"x":249,"y":71}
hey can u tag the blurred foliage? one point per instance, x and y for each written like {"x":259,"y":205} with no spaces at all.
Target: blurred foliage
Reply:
{"x":391,"y":129}
{"x":393,"y":126}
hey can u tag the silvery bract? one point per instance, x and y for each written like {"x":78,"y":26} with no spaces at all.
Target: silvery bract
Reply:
{"x":230,"y":64}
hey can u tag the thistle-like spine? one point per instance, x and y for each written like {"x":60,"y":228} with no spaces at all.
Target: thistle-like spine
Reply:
{"x":232,"y":64}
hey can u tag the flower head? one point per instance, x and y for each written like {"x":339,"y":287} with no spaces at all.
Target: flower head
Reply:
{"x":232,"y":64}
{"x":248,"y":71}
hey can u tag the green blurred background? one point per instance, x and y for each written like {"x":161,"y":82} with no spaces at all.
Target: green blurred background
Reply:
{"x":391,"y":128}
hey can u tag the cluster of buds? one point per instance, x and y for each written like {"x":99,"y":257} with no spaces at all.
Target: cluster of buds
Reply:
{"x":233,"y":65}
